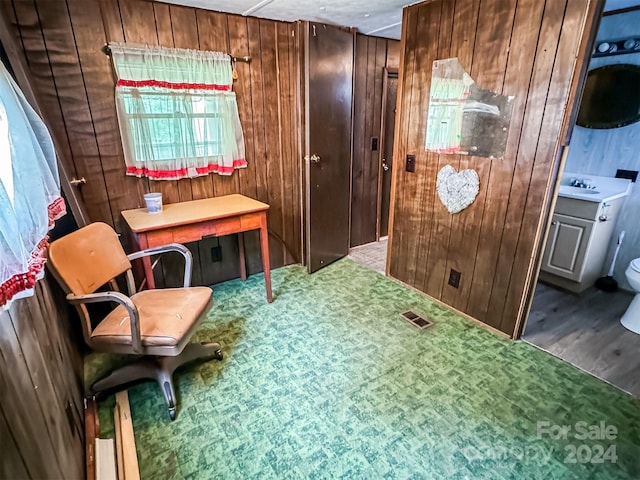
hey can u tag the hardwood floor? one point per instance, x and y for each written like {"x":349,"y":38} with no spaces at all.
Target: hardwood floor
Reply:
{"x":584,"y":330}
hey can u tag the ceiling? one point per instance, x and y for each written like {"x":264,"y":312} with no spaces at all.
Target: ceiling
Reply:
{"x":381,"y":18}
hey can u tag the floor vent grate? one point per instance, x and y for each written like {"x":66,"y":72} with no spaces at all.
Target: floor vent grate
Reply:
{"x":416,"y":320}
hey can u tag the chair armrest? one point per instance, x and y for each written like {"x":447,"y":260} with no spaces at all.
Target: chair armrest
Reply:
{"x":171,"y":247}
{"x":126,"y":302}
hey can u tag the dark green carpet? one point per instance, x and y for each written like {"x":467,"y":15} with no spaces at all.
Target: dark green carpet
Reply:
{"x":329,"y":382}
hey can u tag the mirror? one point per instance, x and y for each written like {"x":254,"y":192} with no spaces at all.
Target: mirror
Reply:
{"x":611,"y":97}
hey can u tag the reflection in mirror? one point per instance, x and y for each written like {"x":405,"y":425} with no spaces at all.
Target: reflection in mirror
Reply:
{"x":611,"y":97}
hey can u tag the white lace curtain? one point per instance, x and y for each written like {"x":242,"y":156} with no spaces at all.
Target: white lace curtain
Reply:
{"x":30,"y":199}
{"x":177,"y":113}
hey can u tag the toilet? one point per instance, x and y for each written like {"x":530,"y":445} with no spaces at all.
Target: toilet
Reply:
{"x":631,"y":318}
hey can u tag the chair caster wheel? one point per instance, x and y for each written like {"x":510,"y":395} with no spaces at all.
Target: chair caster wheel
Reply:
{"x":172,"y":413}
{"x":219,"y":355}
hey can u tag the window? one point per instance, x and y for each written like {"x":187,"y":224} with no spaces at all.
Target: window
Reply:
{"x":177,"y":113}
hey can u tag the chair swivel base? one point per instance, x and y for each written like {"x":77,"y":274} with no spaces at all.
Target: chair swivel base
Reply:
{"x":160,"y":369}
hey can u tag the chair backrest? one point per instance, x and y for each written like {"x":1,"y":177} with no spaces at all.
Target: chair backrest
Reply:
{"x":88,"y":258}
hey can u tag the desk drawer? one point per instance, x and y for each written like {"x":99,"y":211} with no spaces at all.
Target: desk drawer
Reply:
{"x":251,"y":220}
{"x":221,"y":227}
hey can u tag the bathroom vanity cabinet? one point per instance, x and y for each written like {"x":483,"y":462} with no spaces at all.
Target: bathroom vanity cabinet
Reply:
{"x":578,"y":242}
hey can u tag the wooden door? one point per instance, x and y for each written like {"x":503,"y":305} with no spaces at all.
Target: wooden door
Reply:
{"x":566,"y":246}
{"x":388,"y":126}
{"x":328,"y":100}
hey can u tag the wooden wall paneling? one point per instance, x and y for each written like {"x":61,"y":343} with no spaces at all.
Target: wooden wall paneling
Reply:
{"x":28,"y":29}
{"x":213,"y":35}
{"x":464,"y":225}
{"x":393,"y":54}
{"x":551,"y":25}
{"x":67,"y":342}
{"x":295,"y":193}
{"x":395,"y":249}
{"x":90,"y":33}
{"x":257,"y":113}
{"x":488,"y":72}
{"x":66,"y":79}
{"x":12,"y":465}
{"x":286,"y":133}
{"x":547,"y":154}
{"x":39,"y":343}
{"x":517,"y":48}
{"x":427,"y":163}
{"x":361,"y":75}
{"x":125,"y":191}
{"x":522,"y":50}
{"x":25,"y":422}
{"x":370,"y":60}
{"x":418,"y":186}
{"x":366,"y":214}
{"x":272,"y":161}
{"x":438,"y":241}
{"x":375,"y":166}
{"x":31,"y":420}
{"x":239,"y":46}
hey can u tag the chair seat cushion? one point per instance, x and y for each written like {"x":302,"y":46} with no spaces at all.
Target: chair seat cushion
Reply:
{"x":166,"y":316}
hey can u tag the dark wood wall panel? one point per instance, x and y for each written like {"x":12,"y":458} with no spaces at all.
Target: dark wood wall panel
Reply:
{"x":41,"y":413}
{"x":372,"y":55}
{"x":522,"y":48}
{"x":75,"y":83}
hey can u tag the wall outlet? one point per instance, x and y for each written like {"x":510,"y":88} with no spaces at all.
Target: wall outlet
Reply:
{"x":216,"y":254}
{"x":454,"y":278}
{"x":374,"y":144}
{"x":411,"y":163}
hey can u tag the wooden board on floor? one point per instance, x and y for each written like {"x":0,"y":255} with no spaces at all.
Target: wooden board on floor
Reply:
{"x":125,"y":440}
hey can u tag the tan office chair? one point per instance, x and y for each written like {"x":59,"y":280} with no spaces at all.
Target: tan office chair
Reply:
{"x":156,"y":324}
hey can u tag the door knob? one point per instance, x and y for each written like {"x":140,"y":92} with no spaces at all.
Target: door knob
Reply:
{"x":75,"y":182}
{"x":313,"y":158}
{"x":385,"y":166}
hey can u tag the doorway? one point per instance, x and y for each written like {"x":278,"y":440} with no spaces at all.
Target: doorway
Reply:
{"x":390,"y":96}
{"x":570,"y":316}
{"x":370,"y":250}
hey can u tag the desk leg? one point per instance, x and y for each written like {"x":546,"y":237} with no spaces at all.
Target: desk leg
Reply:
{"x":243,"y":265}
{"x":146,"y":262}
{"x":264,"y":247}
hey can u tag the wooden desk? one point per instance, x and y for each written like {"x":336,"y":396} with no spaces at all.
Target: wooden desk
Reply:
{"x":191,"y":221}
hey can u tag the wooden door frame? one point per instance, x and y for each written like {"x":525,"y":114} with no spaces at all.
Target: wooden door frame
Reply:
{"x":386,"y":71}
{"x":591,"y":25}
{"x":396,"y":137}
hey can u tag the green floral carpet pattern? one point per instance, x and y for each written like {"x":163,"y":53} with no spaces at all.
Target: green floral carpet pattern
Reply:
{"x":329,"y":382}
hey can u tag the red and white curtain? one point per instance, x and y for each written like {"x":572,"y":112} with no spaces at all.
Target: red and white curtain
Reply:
{"x":177,"y":112}
{"x":30,"y":199}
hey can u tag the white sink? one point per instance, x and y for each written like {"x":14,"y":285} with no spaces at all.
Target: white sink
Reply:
{"x":600,"y":189}
{"x":569,"y":190}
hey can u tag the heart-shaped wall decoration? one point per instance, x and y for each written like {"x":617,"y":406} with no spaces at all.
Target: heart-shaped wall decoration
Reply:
{"x":457,"y":190}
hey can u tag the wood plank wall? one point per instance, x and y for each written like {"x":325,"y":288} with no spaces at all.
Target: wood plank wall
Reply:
{"x":74,"y":82}
{"x":41,"y":412}
{"x":372,"y":55}
{"x":524,"y":48}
